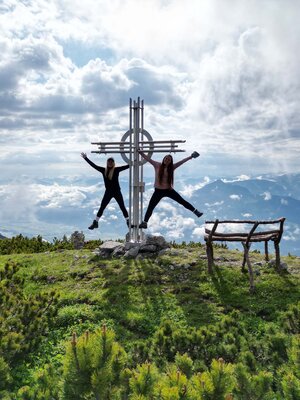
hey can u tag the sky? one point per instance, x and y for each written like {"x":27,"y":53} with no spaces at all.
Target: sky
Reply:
{"x":221,"y":74}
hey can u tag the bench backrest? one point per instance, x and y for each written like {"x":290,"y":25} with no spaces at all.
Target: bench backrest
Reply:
{"x":248,"y":235}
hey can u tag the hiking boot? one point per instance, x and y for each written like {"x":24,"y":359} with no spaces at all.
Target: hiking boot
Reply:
{"x":198,"y":213}
{"x":94,"y":225}
{"x":143,"y":225}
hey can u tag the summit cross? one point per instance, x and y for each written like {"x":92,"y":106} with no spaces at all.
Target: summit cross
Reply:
{"x":135,"y":139}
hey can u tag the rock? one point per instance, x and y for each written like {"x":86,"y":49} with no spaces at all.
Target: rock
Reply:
{"x":283,"y":266}
{"x":159,"y":241}
{"x":148,"y":248}
{"x":151,"y":246}
{"x":129,"y":245}
{"x":119,"y":251}
{"x":272,"y":264}
{"x":132,"y":253}
{"x":163,"y":252}
{"x":109,"y":246}
{"x":258,"y":264}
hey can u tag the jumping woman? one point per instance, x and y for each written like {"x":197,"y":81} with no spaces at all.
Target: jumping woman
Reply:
{"x":112,"y":186}
{"x":163,"y":185}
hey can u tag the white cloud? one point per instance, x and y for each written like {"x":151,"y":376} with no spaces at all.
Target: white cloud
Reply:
{"x":235,"y":197}
{"x":223,"y":76}
{"x":190,"y":189}
{"x":267,"y":196}
{"x":238,"y":178}
{"x":247,"y":215}
{"x":199,"y":232}
{"x":217,"y":203}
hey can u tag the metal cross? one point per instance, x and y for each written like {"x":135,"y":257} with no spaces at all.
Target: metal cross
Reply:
{"x":131,"y":142}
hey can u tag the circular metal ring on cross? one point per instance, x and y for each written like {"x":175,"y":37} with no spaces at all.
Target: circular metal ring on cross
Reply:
{"x":122,"y":148}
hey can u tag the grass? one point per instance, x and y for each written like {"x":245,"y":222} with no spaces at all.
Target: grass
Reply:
{"x":134,"y":297}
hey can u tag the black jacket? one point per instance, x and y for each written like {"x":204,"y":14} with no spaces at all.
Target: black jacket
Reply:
{"x":112,"y":184}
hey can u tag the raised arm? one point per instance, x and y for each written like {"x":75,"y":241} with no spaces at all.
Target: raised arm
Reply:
{"x":97,"y":167}
{"x":123,"y":167}
{"x":147,"y":158}
{"x":195,"y":154}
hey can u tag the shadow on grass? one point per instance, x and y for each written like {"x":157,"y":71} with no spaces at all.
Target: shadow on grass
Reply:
{"x":274,"y":292}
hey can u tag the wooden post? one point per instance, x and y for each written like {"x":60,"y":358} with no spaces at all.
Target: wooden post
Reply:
{"x":277,"y":255}
{"x":266,"y":251}
{"x":210,"y":257}
{"x":251,"y":279}
{"x":209,"y":248}
{"x":244,"y":263}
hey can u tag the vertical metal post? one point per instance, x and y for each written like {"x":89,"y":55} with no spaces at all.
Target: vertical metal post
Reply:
{"x":130,"y":167}
{"x":141,"y":168}
{"x":136,"y":171}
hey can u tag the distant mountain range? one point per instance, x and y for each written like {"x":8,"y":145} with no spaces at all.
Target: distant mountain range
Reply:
{"x":260,"y":198}
{"x":236,"y":200}
{"x":2,"y":237}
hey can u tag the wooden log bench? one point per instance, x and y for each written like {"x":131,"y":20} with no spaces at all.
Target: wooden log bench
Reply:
{"x":246,"y":237}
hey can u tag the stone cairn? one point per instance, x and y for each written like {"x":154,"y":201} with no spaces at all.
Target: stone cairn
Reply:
{"x":151,"y":246}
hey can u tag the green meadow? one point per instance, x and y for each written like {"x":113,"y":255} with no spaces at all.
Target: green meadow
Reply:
{"x":76,"y":326}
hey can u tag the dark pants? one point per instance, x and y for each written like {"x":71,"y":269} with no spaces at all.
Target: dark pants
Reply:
{"x":108,"y":195}
{"x":159,"y":194}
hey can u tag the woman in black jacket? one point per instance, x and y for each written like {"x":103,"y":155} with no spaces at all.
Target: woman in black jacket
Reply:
{"x":112,"y":186}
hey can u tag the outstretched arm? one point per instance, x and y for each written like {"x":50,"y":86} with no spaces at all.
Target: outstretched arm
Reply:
{"x":97,"y":167}
{"x":193,"y":155}
{"x":123,"y":167}
{"x":147,"y":158}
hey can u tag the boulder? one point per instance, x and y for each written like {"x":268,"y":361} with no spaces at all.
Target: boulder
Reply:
{"x":132,"y":252}
{"x":158,"y":241}
{"x":109,"y":246}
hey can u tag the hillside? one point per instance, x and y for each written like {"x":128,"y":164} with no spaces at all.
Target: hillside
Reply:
{"x":160,"y":310}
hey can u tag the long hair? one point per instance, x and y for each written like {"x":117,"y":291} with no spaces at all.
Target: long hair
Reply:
{"x":170,"y":171}
{"x":109,"y":171}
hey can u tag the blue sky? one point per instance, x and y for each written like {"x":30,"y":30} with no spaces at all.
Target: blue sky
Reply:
{"x":222,"y":74}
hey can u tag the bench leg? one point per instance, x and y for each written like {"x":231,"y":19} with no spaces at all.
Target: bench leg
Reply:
{"x":244,"y":259}
{"x":210,"y":257}
{"x":266,"y":251}
{"x":251,"y":278}
{"x":277,"y":255}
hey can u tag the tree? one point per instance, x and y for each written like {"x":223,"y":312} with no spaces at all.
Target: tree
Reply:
{"x":93,"y":366}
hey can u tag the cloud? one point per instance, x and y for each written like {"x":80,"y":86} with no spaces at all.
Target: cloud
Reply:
{"x":199,"y":232}
{"x":223,"y":76}
{"x":267,"y":196}
{"x":235,"y":197}
{"x":190,"y":189}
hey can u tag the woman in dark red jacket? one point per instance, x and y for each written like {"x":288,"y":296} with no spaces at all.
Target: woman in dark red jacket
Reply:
{"x":112,"y":186}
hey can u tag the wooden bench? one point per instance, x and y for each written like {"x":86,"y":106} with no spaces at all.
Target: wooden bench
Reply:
{"x":252,"y":235}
